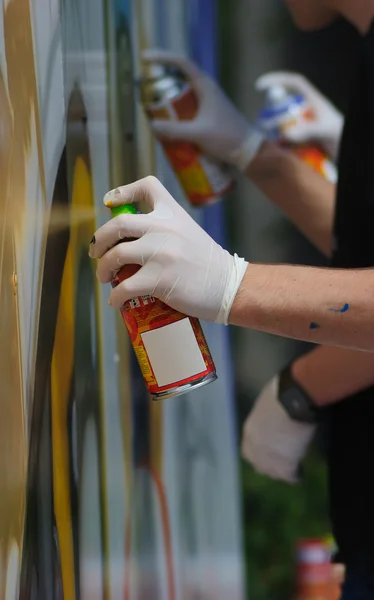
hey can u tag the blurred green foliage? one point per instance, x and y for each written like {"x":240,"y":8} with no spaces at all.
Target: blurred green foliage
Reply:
{"x":275,"y":515}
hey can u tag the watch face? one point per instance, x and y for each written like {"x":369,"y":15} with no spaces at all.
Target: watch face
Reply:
{"x":297,"y":405}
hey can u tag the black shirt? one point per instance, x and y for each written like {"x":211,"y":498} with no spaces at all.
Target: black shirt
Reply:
{"x":351,"y":439}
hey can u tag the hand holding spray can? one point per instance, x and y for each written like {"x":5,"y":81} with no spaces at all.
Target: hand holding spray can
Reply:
{"x":170,"y":347}
{"x":281,"y":112}
{"x":166,"y":94}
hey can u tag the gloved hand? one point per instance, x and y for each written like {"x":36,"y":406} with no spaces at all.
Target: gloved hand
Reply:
{"x":219,"y":129}
{"x":181,"y":264}
{"x":328,"y":124}
{"x":273,"y":442}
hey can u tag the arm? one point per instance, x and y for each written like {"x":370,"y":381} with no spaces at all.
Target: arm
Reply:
{"x":301,"y":193}
{"x":332,"y":374}
{"x":184,"y":267}
{"x":325,"y":306}
{"x":273,"y":441}
{"x":222,"y":132}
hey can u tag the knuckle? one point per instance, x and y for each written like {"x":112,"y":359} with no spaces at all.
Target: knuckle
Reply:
{"x":118,"y":263}
{"x":123,"y":225}
{"x":122,"y":220}
{"x":101,"y":274}
{"x":163,"y":256}
{"x":118,"y":255}
{"x":118,"y":296}
{"x":119,"y":292}
{"x":127,"y":289}
{"x":123,"y":288}
{"x":151,"y":180}
{"x":108,"y":265}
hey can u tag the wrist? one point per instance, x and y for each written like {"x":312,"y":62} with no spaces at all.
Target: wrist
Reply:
{"x":238,"y":270}
{"x":245,"y":154}
{"x":320,"y":373}
{"x":240,"y":301}
{"x":295,"y":399}
{"x":302,"y":371}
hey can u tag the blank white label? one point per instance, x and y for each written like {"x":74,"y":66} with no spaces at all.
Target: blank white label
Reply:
{"x":173,"y":352}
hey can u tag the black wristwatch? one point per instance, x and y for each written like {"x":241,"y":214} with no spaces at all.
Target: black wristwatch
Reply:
{"x":295,"y":400}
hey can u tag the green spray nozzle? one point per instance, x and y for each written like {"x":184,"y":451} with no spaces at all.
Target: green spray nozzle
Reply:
{"x":123,"y":209}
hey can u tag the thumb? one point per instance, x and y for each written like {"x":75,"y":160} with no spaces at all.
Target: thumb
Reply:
{"x":175,"y":130}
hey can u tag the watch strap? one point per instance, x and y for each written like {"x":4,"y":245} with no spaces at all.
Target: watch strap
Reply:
{"x":295,"y":399}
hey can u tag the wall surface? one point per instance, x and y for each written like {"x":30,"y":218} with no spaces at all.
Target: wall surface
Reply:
{"x":103,"y":495}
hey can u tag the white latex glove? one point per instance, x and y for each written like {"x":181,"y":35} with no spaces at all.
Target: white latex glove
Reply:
{"x":181,"y":264}
{"x":328,"y":125}
{"x":219,"y":129}
{"x":273,"y":442}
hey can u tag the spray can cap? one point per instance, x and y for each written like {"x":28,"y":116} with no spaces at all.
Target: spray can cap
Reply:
{"x":154,"y":71}
{"x":276,"y":95}
{"x":123,"y":209}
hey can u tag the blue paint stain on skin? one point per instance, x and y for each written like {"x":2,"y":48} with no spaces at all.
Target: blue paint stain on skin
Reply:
{"x":340,"y":310}
{"x":314,"y":325}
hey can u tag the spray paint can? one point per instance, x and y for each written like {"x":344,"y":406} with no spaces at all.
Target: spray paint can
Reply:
{"x":170,"y":347}
{"x":281,"y":112}
{"x":166,"y":94}
{"x":314,"y":570}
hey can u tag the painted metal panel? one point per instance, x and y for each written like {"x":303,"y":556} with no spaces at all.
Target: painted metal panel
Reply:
{"x":103,"y":495}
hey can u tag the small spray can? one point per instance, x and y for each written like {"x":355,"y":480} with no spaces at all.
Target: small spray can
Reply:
{"x":170,"y":347}
{"x":166,"y":94}
{"x":283,"y":111}
{"x":314,"y":570}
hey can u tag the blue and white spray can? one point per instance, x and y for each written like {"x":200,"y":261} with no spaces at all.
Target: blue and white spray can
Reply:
{"x":282,"y":111}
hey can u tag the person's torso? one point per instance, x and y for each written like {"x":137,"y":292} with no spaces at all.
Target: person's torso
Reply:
{"x":351,"y":443}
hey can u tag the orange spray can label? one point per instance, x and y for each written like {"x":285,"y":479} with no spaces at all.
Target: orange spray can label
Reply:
{"x":170,"y":347}
{"x":203,"y":180}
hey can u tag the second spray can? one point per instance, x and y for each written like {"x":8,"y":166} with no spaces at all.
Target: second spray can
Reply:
{"x":166,"y":94}
{"x":281,"y":112}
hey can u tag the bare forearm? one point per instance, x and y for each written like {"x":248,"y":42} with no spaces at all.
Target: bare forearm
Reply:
{"x":324,"y":306}
{"x":331,"y":374}
{"x":301,"y":193}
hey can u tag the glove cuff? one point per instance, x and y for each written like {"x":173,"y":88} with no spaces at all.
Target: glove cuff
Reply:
{"x":248,"y":150}
{"x":237,"y":273}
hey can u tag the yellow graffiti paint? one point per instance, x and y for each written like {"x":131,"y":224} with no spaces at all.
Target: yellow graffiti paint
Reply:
{"x":62,"y":374}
